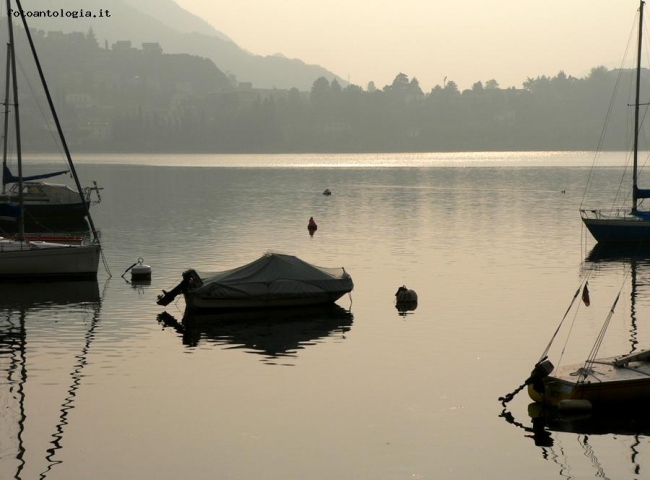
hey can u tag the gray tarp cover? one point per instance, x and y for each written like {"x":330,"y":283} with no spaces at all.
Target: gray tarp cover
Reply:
{"x":273,"y":275}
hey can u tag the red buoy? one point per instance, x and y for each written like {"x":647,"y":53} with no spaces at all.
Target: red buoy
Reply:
{"x":311,"y":226}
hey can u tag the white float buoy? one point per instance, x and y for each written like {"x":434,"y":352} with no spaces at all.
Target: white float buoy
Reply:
{"x":140,"y":272}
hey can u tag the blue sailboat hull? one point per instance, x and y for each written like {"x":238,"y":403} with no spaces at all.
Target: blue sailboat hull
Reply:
{"x":619,"y":230}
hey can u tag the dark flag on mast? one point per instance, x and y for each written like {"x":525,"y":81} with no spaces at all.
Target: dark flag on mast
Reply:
{"x":585,"y":295}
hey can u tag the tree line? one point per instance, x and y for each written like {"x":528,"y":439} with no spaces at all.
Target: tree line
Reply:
{"x":119,"y":98}
{"x":548,"y":113}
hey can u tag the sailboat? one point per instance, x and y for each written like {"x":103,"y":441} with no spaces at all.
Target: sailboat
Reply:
{"x":598,"y":381}
{"x":19,"y":257}
{"x":628,"y":224}
{"x":46,"y":206}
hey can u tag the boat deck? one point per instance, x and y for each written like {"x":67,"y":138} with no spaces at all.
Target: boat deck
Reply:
{"x":604,"y":370}
{"x":624,"y":378}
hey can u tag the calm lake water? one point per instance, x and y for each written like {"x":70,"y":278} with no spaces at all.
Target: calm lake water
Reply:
{"x":94,"y":385}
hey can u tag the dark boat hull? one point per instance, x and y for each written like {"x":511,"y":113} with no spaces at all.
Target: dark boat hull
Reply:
{"x":44,"y":217}
{"x":608,"y":382}
{"x":619,"y":230}
{"x":195,"y":302}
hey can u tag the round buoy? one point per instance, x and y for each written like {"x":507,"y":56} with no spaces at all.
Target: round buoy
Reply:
{"x":140,"y":272}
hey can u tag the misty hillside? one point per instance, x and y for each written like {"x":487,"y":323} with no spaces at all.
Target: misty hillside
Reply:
{"x":177,"y":31}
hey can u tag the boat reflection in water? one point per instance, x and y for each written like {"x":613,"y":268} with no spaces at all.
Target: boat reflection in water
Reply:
{"x":30,"y":295}
{"x":272,"y":333}
{"x":17,"y":303}
{"x":598,"y":440}
{"x":626,"y":414}
{"x":631,"y":420}
{"x":598,"y":434}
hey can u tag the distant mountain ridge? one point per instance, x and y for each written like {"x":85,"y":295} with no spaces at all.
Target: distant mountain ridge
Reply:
{"x":174,"y":16}
{"x":177,"y":31}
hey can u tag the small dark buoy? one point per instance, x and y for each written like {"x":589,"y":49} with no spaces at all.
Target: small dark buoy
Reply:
{"x":140,"y":272}
{"x":406,"y":300}
{"x":327,"y":192}
{"x":404,"y":294}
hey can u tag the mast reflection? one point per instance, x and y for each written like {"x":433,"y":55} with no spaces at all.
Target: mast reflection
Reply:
{"x":17,"y":304}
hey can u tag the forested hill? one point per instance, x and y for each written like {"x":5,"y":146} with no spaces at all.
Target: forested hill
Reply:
{"x":176,"y":30}
{"x":128,"y":98}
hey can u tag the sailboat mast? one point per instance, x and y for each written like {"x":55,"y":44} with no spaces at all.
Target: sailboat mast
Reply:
{"x":635,"y":188}
{"x":6,"y":129}
{"x":19,"y":157}
{"x":56,"y":120}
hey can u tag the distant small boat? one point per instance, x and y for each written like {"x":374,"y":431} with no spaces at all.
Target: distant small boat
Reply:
{"x":272,"y":281}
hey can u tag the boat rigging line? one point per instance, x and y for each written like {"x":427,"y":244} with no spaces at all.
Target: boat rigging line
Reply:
{"x":543,"y":366}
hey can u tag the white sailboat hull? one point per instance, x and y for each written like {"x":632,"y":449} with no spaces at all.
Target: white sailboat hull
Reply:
{"x":22,"y":259}
{"x":42,"y":260}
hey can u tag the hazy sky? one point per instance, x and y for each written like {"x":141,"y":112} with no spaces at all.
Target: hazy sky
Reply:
{"x":463,"y":40}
